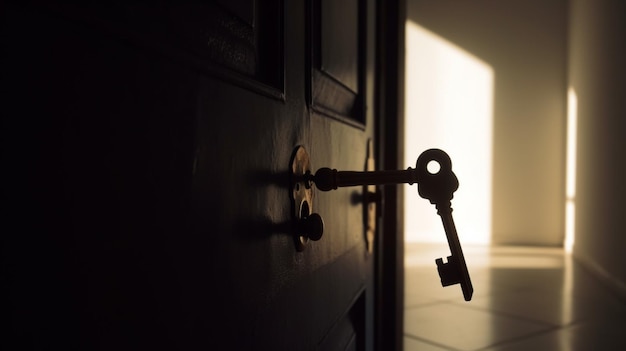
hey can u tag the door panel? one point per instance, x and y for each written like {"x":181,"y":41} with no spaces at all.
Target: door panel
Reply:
{"x":339,"y":37}
{"x":149,"y":150}
{"x":337,"y":48}
{"x":348,"y":333}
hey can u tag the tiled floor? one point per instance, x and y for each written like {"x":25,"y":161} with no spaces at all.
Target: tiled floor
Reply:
{"x":534,"y":299}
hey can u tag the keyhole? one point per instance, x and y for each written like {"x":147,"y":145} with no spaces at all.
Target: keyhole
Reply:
{"x":304,"y":210}
{"x":433,"y":167}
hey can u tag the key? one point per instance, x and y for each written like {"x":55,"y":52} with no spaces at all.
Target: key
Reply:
{"x":439,"y":187}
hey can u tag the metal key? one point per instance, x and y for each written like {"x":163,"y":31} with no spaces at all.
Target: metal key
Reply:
{"x":439,"y":188}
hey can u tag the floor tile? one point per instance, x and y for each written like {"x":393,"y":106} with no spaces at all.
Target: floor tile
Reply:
{"x":551,"y":307}
{"x":423,"y":286}
{"x":583,"y":337}
{"x":411,"y":344}
{"x":465,"y":328}
{"x":525,"y":298}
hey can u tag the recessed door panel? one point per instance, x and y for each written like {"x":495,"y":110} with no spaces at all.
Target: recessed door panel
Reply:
{"x":336,"y":48}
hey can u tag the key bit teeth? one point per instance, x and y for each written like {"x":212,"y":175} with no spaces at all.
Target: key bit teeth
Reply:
{"x":441,"y":264}
{"x":448,"y":272}
{"x":449,"y":279}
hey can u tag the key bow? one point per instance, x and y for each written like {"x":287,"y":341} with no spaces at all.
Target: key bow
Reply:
{"x":438,"y":187}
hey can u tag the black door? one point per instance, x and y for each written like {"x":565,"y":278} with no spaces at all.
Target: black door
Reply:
{"x":146,"y":157}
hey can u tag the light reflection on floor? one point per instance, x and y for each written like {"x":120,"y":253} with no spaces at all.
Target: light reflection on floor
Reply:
{"x":525,"y":298}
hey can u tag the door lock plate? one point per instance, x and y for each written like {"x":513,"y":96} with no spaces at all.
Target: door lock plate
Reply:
{"x":301,"y":192}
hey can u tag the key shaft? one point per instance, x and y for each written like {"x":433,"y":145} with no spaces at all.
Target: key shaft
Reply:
{"x":327,"y":179}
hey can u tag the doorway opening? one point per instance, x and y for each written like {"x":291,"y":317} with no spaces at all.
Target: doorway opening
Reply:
{"x":448,"y":105}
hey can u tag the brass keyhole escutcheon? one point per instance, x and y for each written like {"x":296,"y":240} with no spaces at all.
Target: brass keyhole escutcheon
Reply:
{"x":307,"y":225}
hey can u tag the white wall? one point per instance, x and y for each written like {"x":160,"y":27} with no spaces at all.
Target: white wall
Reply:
{"x":449,"y":106}
{"x":597,"y":72}
{"x":524,"y":43}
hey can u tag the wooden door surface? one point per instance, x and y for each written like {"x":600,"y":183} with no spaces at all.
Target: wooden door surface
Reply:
{"x":146,"y":158}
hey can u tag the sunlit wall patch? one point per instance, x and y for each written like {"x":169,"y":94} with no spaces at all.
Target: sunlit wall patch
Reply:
{"x":449,"y":105}
{"x":570,"y":170}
